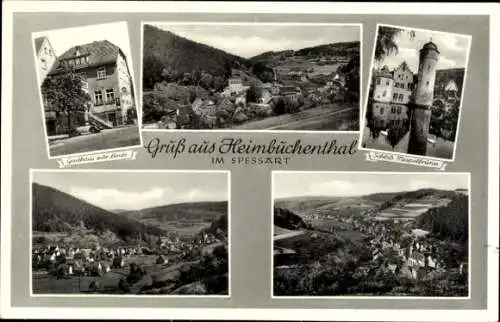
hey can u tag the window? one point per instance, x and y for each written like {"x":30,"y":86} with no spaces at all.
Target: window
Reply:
{"x":45,"y":50}
{"x":387,"y":82}
{"x":101,"y":73}
{"x":98,"y":97}
{"x":77,"y":61}
{"x":399,"y":109}
{"x":110,"y":95}
{"x":385,"y":94}
{"x":378,"y":81}
{"x":394,"y":97}
{"x":393,"y":110}
{"x":44,"y":64}
{"x":381,"y":110}
{"x":400,"y":97}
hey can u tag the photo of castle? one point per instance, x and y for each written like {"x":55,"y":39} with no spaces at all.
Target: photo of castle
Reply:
{"x":415,"y":91}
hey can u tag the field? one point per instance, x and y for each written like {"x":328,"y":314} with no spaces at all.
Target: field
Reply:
{"x":317,"y":69}
{"x":44,"y":283}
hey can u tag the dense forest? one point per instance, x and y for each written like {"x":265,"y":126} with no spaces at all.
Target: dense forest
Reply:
{"x":286,"y":219}
{"x":56,"y":211}
{"x":167,"y":55}
{"x":450,"y":222}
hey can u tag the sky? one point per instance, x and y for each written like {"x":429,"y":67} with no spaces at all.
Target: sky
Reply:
{"x":249,"y":40}
{"x":137,"y":190}
{"x":453,"y":49}
{"x":63,"y":39}
{"x":297,"y":184}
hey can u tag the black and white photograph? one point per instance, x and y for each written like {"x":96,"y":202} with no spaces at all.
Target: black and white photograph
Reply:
{"x":258,"y":76}
{"x":371,"y":234}
{"x":415,"y":92}
{"x":86,"y":88}
{"x":126,"y":232}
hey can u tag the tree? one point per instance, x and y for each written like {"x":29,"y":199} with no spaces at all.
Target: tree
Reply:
{"x":218,"y":83}
{"x":206,"y":80}
{"x":386,"y":44}
{"x":252,"y":94}
{"x":279,"y":107}
{"x":64,"y":94}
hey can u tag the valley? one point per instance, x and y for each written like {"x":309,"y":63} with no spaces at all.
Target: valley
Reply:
{"x":173,"y":249}
{"x":406,"y":244}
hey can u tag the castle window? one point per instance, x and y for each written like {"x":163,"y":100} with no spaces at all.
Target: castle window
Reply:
{"x":378,"y":81}
{"x":401,"y":97}
{"x":98,"y":97}
{"x":381,"y":110}
{"x":101,"y":73}
{"x":394,"y":97}
{"x":385,"y":94}
{"x":399,"y":109}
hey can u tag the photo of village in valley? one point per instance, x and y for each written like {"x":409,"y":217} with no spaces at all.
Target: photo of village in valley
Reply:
{"x":95,"y":233}
{"x":251,"y":77}
{"x":415,"y":92}
{"x":371,"y":234}
{"x":87,"y":89}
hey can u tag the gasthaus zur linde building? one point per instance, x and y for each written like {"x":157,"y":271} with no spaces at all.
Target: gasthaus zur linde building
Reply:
{"x":105,"y":77}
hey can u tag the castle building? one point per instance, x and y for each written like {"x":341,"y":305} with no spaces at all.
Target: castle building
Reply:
{"x":422,"y":99}
{"x":424,"y":89}
{"x":384,"y":84}
{"x":403,"y":84}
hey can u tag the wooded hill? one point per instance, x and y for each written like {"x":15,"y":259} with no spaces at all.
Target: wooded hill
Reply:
{"x":164,"y":50}
{"x":335,"y":49}
{"x":203,"y":211}
{"x":56,"y":211}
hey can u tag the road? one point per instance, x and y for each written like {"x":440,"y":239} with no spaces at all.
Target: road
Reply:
{"x":332,"y":118}
{"x":107,"y":139}
{"x":288,"y":235}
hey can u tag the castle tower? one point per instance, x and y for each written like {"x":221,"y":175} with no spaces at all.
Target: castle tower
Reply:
{"x":422,"y":98}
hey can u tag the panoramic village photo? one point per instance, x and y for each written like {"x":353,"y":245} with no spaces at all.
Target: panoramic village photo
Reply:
{"x":415,"y":92}
{"x":251,"y":76}
{"x":87,"y":91}
{"x":95,"y":233}
{"x":371,"y":234}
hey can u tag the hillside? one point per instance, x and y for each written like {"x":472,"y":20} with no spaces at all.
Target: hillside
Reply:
{"x":186,"y":219}
{"x":284,"y":218}
{"x":56,"y":211}
{"x":448,"y":222}
{"x":335,"y":49}
{"x":165,"y":50}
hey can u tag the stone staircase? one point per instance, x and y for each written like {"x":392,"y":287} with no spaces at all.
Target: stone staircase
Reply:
{"x":98,"y":122}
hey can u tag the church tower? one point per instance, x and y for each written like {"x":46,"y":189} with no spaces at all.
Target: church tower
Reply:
{"x":422,"y":98}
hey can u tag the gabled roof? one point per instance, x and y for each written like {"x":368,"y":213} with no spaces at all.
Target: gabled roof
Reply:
{"x":99,"y":53}
{"x":39,"y":42}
